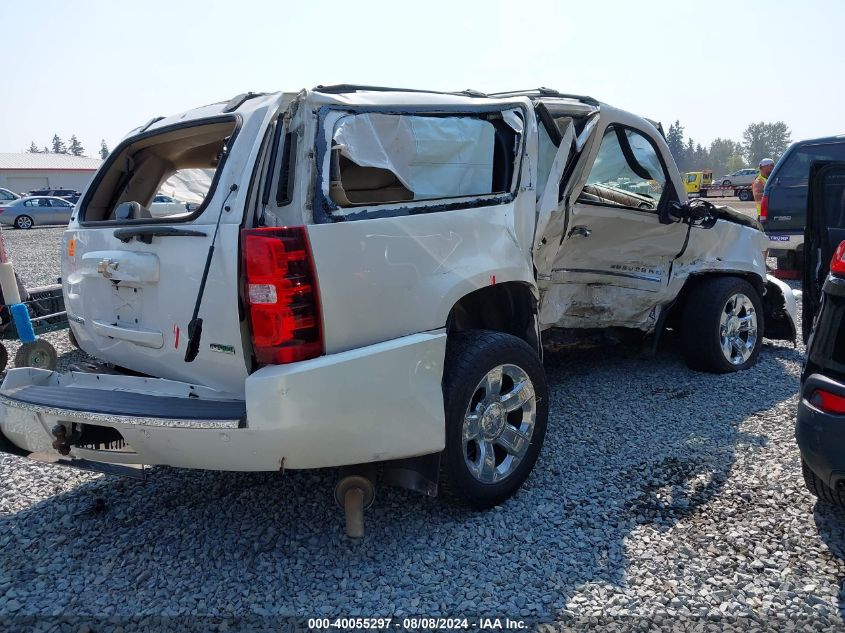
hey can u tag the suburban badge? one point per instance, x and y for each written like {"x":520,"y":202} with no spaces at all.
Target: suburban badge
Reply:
{"x":223,"y":349}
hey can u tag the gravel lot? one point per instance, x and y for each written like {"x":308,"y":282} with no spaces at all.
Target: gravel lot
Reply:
{"x":662,"y":497}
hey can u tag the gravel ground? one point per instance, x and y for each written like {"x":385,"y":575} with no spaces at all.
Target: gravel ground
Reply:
{"x":663,"y":497}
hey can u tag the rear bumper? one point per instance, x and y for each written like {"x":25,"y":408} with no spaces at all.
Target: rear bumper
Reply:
{"x":820,"y":435}
{"x":370,"y":404}
{"x":781,"y":321}
{"x":782,"y":242}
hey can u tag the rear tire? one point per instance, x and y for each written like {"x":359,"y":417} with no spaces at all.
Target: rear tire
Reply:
{"x":819,"y":488}
{"x":38,"y":354}
{"x":71,"y":337}
{"x":798,"y":258}
{"x":23,"y":222}
{"x":496,"y":405}
{"x":722,"y":325}
{"x":793,"y":260}
{"x":726,"y":183}
{"x":745,"y":196}
{"x":4,"y":357}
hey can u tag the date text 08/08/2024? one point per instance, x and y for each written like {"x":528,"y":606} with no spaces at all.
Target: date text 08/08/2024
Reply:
{"x":412,"y":623}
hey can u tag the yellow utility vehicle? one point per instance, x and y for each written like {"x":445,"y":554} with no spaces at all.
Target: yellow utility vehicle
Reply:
{"x":700,"y":183}
{"x":694,"y":181}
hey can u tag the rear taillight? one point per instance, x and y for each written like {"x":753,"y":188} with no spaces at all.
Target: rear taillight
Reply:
{"x":764,"y":208}
{"x":837,"y":262}
{"x":828,"y":402}
{"x":280,"y":288}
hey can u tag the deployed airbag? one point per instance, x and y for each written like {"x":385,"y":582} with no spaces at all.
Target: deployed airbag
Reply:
{"x":188,"y":185}
{"x":433,"y":157}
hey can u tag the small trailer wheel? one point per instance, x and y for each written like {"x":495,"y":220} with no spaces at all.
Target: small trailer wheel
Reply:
{"x":4,"y":357}
{"x":38,"y":354}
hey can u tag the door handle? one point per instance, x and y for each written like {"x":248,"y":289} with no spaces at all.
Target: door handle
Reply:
{"x":583,"y":231}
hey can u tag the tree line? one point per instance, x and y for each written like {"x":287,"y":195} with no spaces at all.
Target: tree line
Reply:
{"x":72,"y":147}
{"x":724,"y":156}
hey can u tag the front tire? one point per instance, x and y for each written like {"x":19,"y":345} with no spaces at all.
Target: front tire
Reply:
{"x":23,"y":222}
{"x":496,"y":405}
{"x":722,"y":325}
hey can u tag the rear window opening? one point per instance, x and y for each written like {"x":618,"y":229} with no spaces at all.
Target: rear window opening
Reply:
{"x":796,"y":166}
{"x":379,"y":159}
{"x":833,"y":201}
{"x":166,"y":175}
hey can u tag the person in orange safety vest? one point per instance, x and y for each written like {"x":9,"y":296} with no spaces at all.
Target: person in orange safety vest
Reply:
{"x":759,"y":184}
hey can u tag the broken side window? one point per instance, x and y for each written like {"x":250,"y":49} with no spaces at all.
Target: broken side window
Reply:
{"x":627,"y":172}
{"x":393,"y":158}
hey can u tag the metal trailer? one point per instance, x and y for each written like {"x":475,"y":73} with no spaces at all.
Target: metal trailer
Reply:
{"x":24,"y":314}
{"x":743,"y":192}
{"x":43,"y":311}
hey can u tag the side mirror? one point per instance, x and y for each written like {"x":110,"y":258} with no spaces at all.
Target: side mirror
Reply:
{"x":696,"y":213}
{"x":678,"y":211}
{"x":673,"y":212}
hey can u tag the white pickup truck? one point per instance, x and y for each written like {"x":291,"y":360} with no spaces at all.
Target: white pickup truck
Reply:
{"x":370,"y":280}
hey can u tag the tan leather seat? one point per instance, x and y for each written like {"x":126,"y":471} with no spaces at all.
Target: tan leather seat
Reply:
{"x":353,"y":184}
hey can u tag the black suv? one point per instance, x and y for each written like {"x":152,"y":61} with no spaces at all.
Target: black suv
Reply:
{"x":820,"y":429}
{"x":784,"y":206}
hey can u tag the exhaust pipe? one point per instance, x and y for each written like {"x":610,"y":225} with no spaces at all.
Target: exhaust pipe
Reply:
{"x":355,"y":493}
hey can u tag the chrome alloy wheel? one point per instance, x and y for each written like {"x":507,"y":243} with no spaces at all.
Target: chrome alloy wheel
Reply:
{"x":499,"y":423}
{"x":738,"y":329}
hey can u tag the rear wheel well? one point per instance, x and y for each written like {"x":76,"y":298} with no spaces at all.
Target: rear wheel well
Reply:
{"x":509,"y":307}
{"x":751,"y":278}
{"x":677,"y":306}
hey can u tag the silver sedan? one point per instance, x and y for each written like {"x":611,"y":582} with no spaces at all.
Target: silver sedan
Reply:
{"x":32,"y":210}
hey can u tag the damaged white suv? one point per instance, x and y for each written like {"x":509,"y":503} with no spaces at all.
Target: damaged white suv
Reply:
{"x":370,"y":280}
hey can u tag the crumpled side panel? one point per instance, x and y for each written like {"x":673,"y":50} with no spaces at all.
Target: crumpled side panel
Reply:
{"x":598,"y":306}
{"x":728,"y":246}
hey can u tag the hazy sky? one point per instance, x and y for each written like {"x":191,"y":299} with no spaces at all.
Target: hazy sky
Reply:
{"x":98,"y":69}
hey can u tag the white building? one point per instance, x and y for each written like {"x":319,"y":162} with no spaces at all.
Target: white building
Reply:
{"x":24,"y":172}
